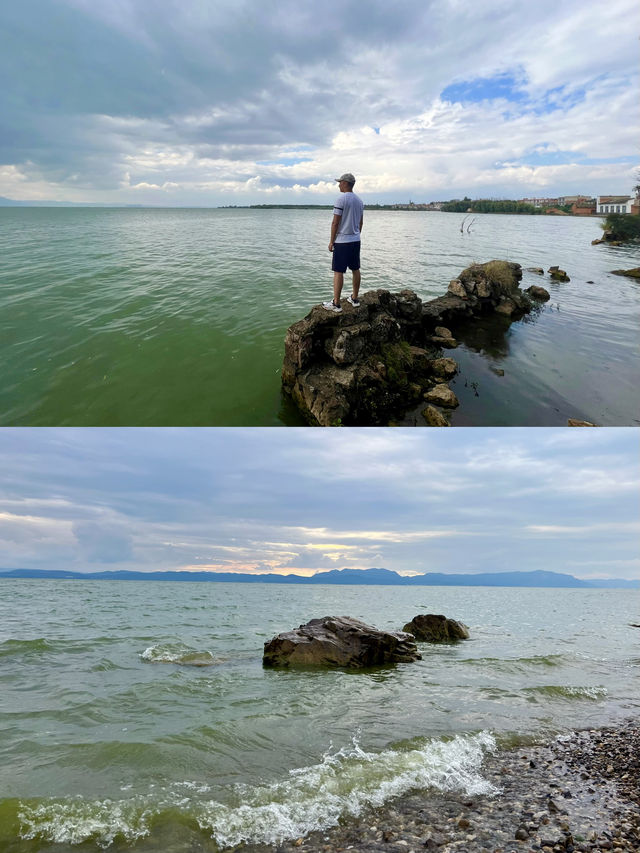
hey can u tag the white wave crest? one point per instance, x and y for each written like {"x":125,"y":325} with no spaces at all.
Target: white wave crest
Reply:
{"x":178,"y":653}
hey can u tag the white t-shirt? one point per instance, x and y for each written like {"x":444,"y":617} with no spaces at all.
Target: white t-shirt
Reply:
{"x":349,"y":206}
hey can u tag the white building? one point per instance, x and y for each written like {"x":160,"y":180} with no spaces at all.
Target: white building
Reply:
{"x":614,"y":203}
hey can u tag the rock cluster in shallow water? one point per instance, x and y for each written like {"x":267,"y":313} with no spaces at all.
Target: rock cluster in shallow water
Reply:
{"x":368,"y":365}
{"x":339,"y":641}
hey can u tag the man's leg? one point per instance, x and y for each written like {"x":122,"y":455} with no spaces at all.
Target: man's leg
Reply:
{"x":338,"y":281}
{"x":356,"y":283}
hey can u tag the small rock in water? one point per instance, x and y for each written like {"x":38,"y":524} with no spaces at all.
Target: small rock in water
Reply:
{"x":557,"y":274}
{"x":539,"y":293}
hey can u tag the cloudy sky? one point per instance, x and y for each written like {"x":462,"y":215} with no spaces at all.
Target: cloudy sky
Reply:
{"x":304,"y":500}
{"x":180,"y":102}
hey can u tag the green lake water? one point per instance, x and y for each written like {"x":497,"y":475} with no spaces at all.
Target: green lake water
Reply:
{"x":177,"y":317}
{"x":109,"y":738}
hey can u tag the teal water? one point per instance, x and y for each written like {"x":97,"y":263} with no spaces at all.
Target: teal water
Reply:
{"x":137,"y":715}
{"x":177,"y":317}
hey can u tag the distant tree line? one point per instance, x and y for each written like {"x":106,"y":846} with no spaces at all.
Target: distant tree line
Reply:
{"x":485,"y":205}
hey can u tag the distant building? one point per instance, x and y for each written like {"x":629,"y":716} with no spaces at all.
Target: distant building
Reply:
{"x":616,"y":203}
{"x":582,"y":206}
{"x":412,"y":205}
{"x":572,"y":199}
{"x":540,"y":202}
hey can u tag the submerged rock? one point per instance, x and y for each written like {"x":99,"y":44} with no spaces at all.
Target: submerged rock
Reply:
{"x":339,"y":641}
{"x":634,"y":272}
{"x":433,"y":628}
{"x":434,"y":417}
{"x":369,"y":365}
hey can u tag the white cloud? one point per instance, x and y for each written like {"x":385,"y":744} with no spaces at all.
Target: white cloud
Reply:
{"x":225,"y":92}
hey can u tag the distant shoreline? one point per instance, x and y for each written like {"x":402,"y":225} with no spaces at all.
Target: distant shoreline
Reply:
{"x":397,"y":207}
{"x":341,"y":577}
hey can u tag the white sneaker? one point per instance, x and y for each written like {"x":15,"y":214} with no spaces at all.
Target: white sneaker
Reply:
{"x":354,"y":301}
{"x":331,"y":307}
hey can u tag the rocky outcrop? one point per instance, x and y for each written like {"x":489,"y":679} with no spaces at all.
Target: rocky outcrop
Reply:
{"x":431,"y":628}
{"x":339,"y":641}
{"x":370,"y":364}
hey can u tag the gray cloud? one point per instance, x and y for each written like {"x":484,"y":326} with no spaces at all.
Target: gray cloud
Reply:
{"x":241,"y":499}
{"x":103,"y":543}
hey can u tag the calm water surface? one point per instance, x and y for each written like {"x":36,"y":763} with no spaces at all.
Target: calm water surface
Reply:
{"x":178,"y":317}
{"x":109,"y":738}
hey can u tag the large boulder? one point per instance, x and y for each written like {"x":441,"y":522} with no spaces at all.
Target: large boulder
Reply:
{"x":339,"y":641}
{"x":431,"y":628}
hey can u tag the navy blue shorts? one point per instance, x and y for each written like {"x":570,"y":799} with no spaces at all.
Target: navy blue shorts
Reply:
{"x":346,"y":255}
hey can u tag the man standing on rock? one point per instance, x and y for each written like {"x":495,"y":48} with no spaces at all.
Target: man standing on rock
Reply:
{"x":346,"y":228}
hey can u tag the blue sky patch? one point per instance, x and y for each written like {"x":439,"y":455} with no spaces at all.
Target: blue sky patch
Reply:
{"x":506,"y":85}
{"x":510,"y":86}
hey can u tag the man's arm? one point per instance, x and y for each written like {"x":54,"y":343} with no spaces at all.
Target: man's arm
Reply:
{"x":335,"y":224}
{"x":361,"y":221}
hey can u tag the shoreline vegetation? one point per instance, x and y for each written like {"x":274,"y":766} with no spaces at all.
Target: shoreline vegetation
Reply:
{"x":577,"y":793}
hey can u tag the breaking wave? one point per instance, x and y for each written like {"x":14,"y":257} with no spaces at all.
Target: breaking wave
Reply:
{"x":311,"y":798}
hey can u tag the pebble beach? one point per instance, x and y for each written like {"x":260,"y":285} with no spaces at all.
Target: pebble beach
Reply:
{"x":579,"y":792}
